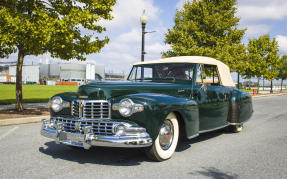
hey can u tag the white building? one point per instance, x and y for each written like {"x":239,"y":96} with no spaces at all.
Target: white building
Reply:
{"x":72,"y":71}
{"x":49,"y":70}
{"x":78,"y":72}
{"x":30,"y":74}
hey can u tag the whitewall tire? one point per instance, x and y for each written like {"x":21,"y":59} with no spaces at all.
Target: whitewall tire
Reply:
{"x":166,"y":141}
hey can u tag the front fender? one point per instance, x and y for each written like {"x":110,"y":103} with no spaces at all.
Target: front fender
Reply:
{"x":156,"y":109}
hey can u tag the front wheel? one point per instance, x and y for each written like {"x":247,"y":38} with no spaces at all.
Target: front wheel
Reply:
{"x":166,"y":141}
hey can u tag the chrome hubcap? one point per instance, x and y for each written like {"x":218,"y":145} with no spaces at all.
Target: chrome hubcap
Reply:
{"x":166,"y":135}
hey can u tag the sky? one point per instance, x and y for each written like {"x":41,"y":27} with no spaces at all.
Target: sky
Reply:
{"x":260,"y":17}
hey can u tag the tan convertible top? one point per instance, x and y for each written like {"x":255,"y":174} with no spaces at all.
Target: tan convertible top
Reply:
{"x":223,"y":70}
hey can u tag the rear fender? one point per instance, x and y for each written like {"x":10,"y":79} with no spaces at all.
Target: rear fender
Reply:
{"x":240,"y":107}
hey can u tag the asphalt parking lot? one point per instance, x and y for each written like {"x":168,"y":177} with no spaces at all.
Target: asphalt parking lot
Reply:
{"x":259,"y":151}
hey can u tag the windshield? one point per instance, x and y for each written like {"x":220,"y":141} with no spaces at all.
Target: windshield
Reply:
{"x":162,"y":71}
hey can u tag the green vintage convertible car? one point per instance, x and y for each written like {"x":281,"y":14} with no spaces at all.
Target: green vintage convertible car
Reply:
{"x":161,"y":101}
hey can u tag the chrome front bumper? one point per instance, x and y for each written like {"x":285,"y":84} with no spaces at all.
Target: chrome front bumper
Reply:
{"x":134,"y":136}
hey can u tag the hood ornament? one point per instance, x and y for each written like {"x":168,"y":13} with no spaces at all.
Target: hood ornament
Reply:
{"x":81,"y":108}
{"x":81,"y":104}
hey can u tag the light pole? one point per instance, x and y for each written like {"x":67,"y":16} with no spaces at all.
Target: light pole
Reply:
{"x":143,"y":21}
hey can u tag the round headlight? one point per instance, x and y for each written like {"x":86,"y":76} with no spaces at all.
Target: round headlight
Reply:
{"x":56,"y":103}
{"x":126,"y":107}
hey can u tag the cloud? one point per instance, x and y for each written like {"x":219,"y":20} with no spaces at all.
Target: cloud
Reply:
{"x":124,"y":48}
{"x":262,"y":10}
{"x":254,"y":30}
{"x":127,"y":13}
{"x":256,"y":9}
{"x":156,"y":48}
{"x":180,"y":4}
{"x":134,"y":36}
{"x":282,"y":41}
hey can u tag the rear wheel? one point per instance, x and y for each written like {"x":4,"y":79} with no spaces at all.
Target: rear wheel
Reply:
{"x":166,"y":141}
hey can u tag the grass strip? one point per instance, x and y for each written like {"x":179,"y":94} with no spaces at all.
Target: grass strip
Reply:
{"x":32,"y":93}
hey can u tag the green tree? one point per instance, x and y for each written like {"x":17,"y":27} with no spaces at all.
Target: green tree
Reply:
{"x":282,"y":69}
{"x":238,"y":64}
{"x":208,"y":28}
{"x":263,"y":58}
{"x":34,"y":27}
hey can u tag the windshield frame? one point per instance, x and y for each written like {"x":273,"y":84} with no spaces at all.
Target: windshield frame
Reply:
{"x":135,"y":70}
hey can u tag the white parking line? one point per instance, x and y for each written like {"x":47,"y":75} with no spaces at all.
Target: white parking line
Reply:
{"x":9,"y":132}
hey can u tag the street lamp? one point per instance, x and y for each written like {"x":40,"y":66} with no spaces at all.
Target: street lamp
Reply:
{"x":143,"y":21}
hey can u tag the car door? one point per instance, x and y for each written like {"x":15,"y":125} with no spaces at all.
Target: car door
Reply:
{"x":212,"y":98}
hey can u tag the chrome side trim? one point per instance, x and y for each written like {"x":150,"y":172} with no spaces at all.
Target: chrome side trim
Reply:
{"x":214,"y":129}
{"x":193,"y":136}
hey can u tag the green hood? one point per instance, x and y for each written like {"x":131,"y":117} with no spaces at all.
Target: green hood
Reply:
{"x":106,"y":90}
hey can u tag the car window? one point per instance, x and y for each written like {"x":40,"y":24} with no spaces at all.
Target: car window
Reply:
{"x":208,"y":74}
{"x":147,"y":72}
{"x":133,"y":74}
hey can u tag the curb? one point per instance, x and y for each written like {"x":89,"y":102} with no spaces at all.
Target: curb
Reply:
{"x":269,"y":95}
{"x":25,"y":120}
{"x":25,"y":105}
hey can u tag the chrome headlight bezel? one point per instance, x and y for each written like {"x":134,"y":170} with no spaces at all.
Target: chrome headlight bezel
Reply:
{"x":127,"y":107}
{"x":56,"y":103}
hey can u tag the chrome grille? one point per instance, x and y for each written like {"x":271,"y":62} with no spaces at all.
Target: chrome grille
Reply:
{"x":91,"y":109}
{"x":103,"y":128}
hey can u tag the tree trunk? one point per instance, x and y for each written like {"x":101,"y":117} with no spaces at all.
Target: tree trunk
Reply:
{"x":19,"y":105}
{"x":258,"y":85}
{"x":281,"y":84}
{"x":271,"y":90}
{"x":263,"y":83}
{"x":238,"y":76}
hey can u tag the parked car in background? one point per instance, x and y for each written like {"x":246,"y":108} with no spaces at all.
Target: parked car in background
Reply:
{"x":161,"y":101}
